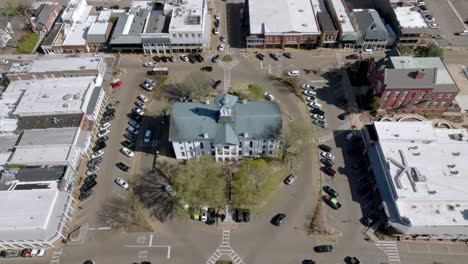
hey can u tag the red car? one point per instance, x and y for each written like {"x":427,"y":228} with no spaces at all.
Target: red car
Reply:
{"x":116,"y":84}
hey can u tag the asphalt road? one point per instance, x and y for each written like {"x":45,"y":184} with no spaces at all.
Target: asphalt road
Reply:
{"x":450,"y":15}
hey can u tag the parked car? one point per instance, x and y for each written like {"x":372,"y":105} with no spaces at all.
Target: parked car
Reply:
{"x":142,"y":98}
{"x":221,"y":47}
{"x":327,"y":155}
{"x":325,"y":147}
{"x":294,"y":73}
{"x":135,"y":116}
{"x":107,"y":118}
{"x":164,"y":59}
{"x":133,"y":130}
{"x":149,"y":64}
{"x":94,"y":162}
{"x":317,"y":111}
{"x":85,"y":195}
{"x":314,"y":105}
{"x":104,"y":126}
{"x":329,"y":171}
{"x":102,"y":139}
{"x":351,"y":260}
{"x":222,"y":38}
{"x":318,"y":117}
{"x":134,"y":123}
{"x":319,"y":123}
{"x":171,"y":58}
{"x":147,"y":86}
{"x":122,"y":183}
{"x":92,"y":170}
{"x":104,"y":133}
{"x":127,"y":152}
{"x":99,"y":146}
{"x":216,"y":84}
{"x":116,"y":84}
{"x":238,"y":216}
{"x":308,"y":261}
{"x":88,"y":186}
{"x":352,"y":56}
{"x":275,"y":56}
{"x":290,"y":179}
{"x":324,"y":248}
{"x":128,"y":145}
{"x":211,"y":216}
{"x":246,"y":215}
{"x":204,"y":214}
{"x":207,"y":69}
{"x":124,"y":167}
{"x":278,"y":219}
{"x":260,"y":56}
{"x":311,"y":99}
{"x":288,"y":55}
{"x":269,"y":96}
{"x":90,"y":178}
{"x":332,"y":202}
{"x":140,"y":104}
{"x":327,"y":162}
{"x":130,"y":137}
{"x":439,"y":36}
{"x":112,"y":105}
{"x":308,"y":87}
{"x":215,"y":59}
{"x":147,"y":137}
{"x":199,"y":57}
{"x":98,"y":153}
{"x":330,"y":191}
{"x":434,"y":26}
{"x":310,"y":92}
{"x":138,"y":111}
{"x":170,"y":190}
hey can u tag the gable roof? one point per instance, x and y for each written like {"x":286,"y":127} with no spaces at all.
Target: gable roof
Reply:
{"x":370,"y":24}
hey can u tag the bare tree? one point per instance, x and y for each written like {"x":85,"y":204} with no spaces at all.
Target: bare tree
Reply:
{"x":295,"y":138}
{"x":120,"y":212}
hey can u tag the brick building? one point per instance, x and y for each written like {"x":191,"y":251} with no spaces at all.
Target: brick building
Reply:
{"x":281,"y":23}
{"x":44,"y":17}
{"x":412,"y":85}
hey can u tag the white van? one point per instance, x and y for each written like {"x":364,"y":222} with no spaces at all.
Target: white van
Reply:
{"x":294,"y":73}
{"x":147,"y":136}
{"x":463,"y":33}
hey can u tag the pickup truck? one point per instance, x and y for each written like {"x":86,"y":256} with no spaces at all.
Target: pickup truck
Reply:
{"x":332,"y":202}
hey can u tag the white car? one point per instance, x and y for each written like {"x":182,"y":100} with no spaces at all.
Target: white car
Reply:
{"x":142,"y":98}
{"x":122,"y":183}
{"x":184,"y":58}
{"x":92,"y":170}
{"x":127,"y":152}
{"x":104,"y":133}
{"x":290,"y":179}
{"x":217,"y":16}
{"x":269,"y":96}
{"x":318,"y":117}
{"x":311,"y":99}
{"x":133,"y":130}
{"x":222,"y":38}
{"x":170,"y":190}
{"x":294,"y":73}
{"x":349,"y":136}
{"x":147,"y":86}
{"x":439,"y":36}
{"x":308,"y":87}
{"x":314,"y":105}
{"x":221,"y":47}
{"x":138,"y":111}
{"x":37,"y":252}
{"x":310,"y":93}
{"x":4,"y":61}
{"x":98,"y":153}
{"x":104,"y":126}
{"x":320,"y":123}
{"x":150,"y":64}
{"x":433,"y":26}
{"x":327,"y":155}
{"x":216,"y":30}
{"x":140,"y":104}
{"x":204,"y":214}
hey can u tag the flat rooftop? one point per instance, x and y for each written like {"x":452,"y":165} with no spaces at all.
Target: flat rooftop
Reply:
{"x":282,"y":16}
{"x":187,"y":17}
{"x":407,"y":62}
{"x":459,"y":74}
{"x":408,"y":18}
{"x":428,"y":169}
{"x":79,"y":31}
{"x":50,"y":121}
{"x":343,"y":16}
{"x":54,"y":63}
{"x":53,"y":95}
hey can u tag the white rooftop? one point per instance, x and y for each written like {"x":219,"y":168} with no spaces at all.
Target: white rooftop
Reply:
{"x":433,"y":168}
{"x":53,"y":95}
{"x":408,"y":18}
{"x":187,"y":17}
{"x":319,"y":6}
{"x":281,"y":16}
{"x":343,"y":16}
{"x":56,"y":63}
{"x":104,"y":16}
{"x":78,"y":34}
{"x":98,"y":28}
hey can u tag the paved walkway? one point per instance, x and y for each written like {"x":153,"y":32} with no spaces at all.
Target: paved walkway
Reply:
{"x":225,"y":249}
{"x":390,"y":248}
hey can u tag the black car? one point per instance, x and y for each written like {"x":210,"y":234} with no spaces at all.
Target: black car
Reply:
{"x":191,"y":59}
{"x":164,"y":59}
{"x":325,"y":148}
{"x":288,"y":55}
{"x":90,"y":178}
{"x":329,"y":171}
{"x":215,"y":59}
{"x":275,"y":56}
{"x":122,"y":166}
{"x":211,"y":216}
{"x":260,"y":56}
{"x":329,"y":190}
{"x":130,"y":137}
{"x":352,"y":260}
{"x":99,"y":146}
{"x":109,"y":112}
{"x":84,"y":195}
{"x":207,"y":69}
{"x":352,"y":57}
{"x":246,"y":215}
{"x":107,"y":118}
{"x":317,"y":111}
{"x":156,"y":59}
{"x":128,"y":145}
{"x":171,"y":58}
{"x":239,"y":217}
{"x":308,"y":261}
{"x":199,"y":57}
{"x":278,"y":219}
{"x":324,"y":248}
{"x":135,"y":116}
{"x":343,"y":116}
{"x":216,"y":23}
{"x":88,"y":186}
{"x":102,"y":139}
{"x":327,"y":162}
{"x":94,"y":162}
{"x":216,"y":84}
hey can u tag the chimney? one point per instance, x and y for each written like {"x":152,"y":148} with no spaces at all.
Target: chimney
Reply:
{"x":419,"y":74}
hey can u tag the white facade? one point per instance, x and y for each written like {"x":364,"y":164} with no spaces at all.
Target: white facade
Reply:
{"x":248,"y":148}
{"x":6,"y":34}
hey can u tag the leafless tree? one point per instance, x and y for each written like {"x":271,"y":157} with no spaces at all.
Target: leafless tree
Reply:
{"x":119,"y":212}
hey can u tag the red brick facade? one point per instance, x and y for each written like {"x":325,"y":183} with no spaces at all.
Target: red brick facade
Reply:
{"x":289,"y":40}
{"x":401,"y":100}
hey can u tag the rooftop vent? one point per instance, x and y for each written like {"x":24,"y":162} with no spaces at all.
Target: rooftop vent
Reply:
{"x":82,"y":67}
{"x":304,"y":25}
{"x":455,"y":172}
{"x":65,"y":105}
{"x":301,"y":10}
{"x":205,"y":135}
{"x":245,"y":134}
{"x":417,"y":154}
{"x":67,"y":97}
{"x":451,"y":166}
{"x":77,"y":96}
{"x":45,"y":96}
{"x":456,"y":154}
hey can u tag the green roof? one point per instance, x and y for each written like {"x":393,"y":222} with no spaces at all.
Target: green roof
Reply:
{"x":198,"y":121}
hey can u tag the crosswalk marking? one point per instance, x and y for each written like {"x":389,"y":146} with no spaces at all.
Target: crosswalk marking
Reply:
{"x":56,"y":257}
{"x":390,"y":248}
{"x":225,"y":249}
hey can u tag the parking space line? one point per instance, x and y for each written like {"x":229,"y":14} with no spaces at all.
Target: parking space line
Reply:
{"x":448,"y":248}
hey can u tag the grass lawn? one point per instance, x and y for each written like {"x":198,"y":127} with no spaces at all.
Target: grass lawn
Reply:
{"x":28,"y":42}
{"x":256,"y":92}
